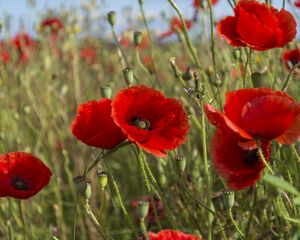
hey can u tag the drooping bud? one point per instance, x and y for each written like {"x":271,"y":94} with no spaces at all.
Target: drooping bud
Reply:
{"x":83,"y":186}
{"x":105,"y":91}
{"x":180,"y":163}
{"x":128,"y":75}
{"x":102,"y":179}
{"x":137,"y":38}
{"x":257,"y":79}
{"x":111,"y":17}
{"x":188,"y":74}
{"x":143,"y":208}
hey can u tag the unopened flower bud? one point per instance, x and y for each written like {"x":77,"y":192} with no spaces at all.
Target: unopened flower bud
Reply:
{"x":137,"y":38}
{"x":128,"y":75}
{"x":83,"y":186}
{"x":111,"y":17}
{"x":180,"y":163}
{"x":105,"y":91}
{"x":176,"y":70}
{"x":257,"y":79}
{"x":143,"y":208}
{"x":102,"y":179}
{"x":224,"y":200}
{"x":236,"y":54}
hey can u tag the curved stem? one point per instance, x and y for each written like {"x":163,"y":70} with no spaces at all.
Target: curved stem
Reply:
{"x":262,"y":157}
{"x":143,"y":227}
{"x":235,"y":224}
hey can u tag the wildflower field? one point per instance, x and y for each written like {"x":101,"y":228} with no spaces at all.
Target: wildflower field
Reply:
{"x":186,"y":132}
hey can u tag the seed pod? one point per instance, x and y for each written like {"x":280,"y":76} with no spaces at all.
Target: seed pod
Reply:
{"x":180,"y":163}
{"x":82,"y":186}
{"x":128,"y":75}
{"x":257,"y":79}
{"x":102,"y":179}
{"x":143,"y":208}
{"x":236,"y":54}
{"x":105,"y":91}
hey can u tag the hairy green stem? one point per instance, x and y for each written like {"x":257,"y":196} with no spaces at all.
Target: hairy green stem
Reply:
{"x":262,"y":157}
{"x":235,"y":224}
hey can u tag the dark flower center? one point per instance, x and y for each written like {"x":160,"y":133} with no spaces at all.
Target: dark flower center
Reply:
{"x":251,"y":156}
{"x":141,"y":123}
{"x":20,"y":183}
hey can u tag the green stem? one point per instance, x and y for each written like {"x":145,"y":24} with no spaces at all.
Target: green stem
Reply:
{"x":22,"y":220}
{"x":142,"y":168}
{"x":284,"y":87}
{"x":75,"y":217}
{"x":9,"y":228}
{"x":235,"y":224}
{"x":122,"y":206}
{"x":143,"y":227}
{"x":102,"y":156}
{"x":137,"y":54}
{"x":262,"y":157}
{"x":251,"y":213}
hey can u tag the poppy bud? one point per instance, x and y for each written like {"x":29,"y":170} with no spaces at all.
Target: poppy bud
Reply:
{"x":236,"y":54}
{"x":257,"y":79}
{"x":176,"y":70}
{"x":82,"y":186}
{"x":137,"y":38}
{"x":128,"y":75}
{"x":180,"y":163}
{"x":105,"y":91}
{"x":111,"y":17}
{"x":188,"y":74}
{"x":143,"y":208}
{"x":103,"y":179}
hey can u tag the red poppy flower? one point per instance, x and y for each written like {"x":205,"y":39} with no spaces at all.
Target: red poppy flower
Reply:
{"x":297,"y":3}
{"x":241,"y":167}
{"x":175,"y":25}
{"x":88,"y":54}
{"x":172,"y":234}
{"x":53,"y":25}
{"x":24,"y":45}
{"x":151,"y":215}
{"x":5,"y":55}
{"x":290,"y":58}
{"x":258,"y":26}
{"x":22,"y":175}
{"x":150,"y":120}
{"x":258,"y":113}
{"x":94,"y":125}
{"x":197,"y":3}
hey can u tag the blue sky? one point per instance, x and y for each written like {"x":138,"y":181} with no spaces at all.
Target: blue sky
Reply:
{"x":20,"y":10}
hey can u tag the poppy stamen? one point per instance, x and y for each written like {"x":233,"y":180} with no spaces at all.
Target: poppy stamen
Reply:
{"x":20,"y":183}
{"x":141,"y":123}
{"x":251,"y":156}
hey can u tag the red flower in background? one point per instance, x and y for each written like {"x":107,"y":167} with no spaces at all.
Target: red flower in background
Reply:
{"x":291,"y":58}
{"x":5,"y":55}
{"x":258,"y":26}
{"x":53,"y":25}
{"x":171,"y":234}
{"x":250,"y":114}
{"x":24,"y":45}
{"x":175,"y":25}
{"x":150,"y":120}
{"x":94,"y":126}
{"x":88,"y":54}
{"x":297,"y":3}
{"x":151,"y":214}
{"x":22,"y":175}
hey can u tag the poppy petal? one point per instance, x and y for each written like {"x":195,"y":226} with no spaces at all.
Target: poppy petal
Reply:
{"x":268,"y":117}
{"x":223,"y":123}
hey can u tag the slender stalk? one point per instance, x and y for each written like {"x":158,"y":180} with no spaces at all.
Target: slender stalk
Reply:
{"x":122,"y":206}
{"x":137,"y":54}
{"x":142,"y":168}
{"x":235,"y":224}
{"x":22,"y":219}
{"x":262,"y":157}
{"x":75,"y":217}
{"x":284,"y":87}
{"x":212,"y":39}
{"x":143,"y":227}
{"x":9,"y":228}
{"x":251,"y":213}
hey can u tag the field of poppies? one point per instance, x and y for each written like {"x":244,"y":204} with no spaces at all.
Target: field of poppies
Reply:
{"x":149,"y":135}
